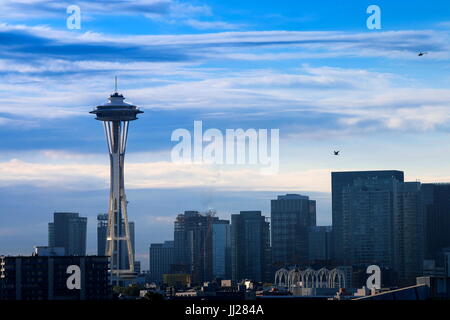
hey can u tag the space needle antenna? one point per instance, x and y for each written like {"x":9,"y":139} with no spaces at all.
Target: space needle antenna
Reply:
{"x":115,"y":86}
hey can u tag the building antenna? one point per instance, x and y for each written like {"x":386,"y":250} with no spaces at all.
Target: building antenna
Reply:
{"x":116,"y":84}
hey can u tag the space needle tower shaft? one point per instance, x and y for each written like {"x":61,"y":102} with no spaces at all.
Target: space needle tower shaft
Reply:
{"x":116,"y":115}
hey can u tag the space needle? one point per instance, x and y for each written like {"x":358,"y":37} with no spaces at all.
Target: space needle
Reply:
{"x":116,"y":115}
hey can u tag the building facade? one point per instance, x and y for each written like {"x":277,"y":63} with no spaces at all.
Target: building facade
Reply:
{"x":367,"y":213}
{"x":291,"y":217}
{"x":339,"y":180}
{"x":320,"y":245}
{"x":250,"y":247}
{"x":45,"y":278}
{"x":221,"y":249}
{"x":193,"y":245}
{"x":161,"y":259}
{"x":436,"y":203}
{"x":409,"y":232}
{"x":68,"y":230}
{"x":383,"y":224}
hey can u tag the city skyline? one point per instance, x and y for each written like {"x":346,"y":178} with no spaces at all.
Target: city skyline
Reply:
{"x":143,"y":258}
{"x":326,"y":82}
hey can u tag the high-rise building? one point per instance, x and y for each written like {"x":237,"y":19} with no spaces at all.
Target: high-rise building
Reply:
{"x":436,"y":201}
{"x":367,"y":213}
{"x":68,"y":230}
{"x":291,"y":216}
{"x":250,"y":247}
{"x":320,"y":244}
{"x":339,"y":180}
{"x":193,"y":245}
{"x":116,"y":115}
{"x":409,"y":232}
{"x":161,"y":259}
{"x":382,"y":224}
{"x":221,"y":249}
{"x":102,"y":232}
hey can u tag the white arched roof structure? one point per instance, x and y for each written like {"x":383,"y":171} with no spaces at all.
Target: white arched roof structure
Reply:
{"x":322,"y":278}
{"x":336,"y":279}
{"x":281,"y":277}
{"x":310,"y":278}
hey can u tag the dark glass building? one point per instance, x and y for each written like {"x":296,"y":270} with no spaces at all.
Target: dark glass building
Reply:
{"x":339,"y":180}
{"x":436,"y":199}
{"x":221,"y":249}
{"x":45,"y":278}
{"x":291,"y":217}
{"x":320,"y":245}
{"x":161,"y":258}
{"x":68,"y":230}
{"x":250,"y":247}
{"x":383,"y":225}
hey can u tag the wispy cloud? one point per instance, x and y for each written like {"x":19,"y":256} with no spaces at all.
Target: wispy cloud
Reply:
{"x":28,"y":9}
{"x":44,"y":72}
{"x":213,"y":25}
{"x":37,"y":42}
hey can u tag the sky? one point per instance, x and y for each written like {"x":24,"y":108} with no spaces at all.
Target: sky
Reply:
{"x":311,"y":69}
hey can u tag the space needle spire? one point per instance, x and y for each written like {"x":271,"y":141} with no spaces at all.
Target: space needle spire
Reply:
{"x":116,"y":115}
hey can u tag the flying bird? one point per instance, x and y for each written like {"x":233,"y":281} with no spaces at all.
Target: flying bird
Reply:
{"x":422,"y":53}
{"x":336,"y":153}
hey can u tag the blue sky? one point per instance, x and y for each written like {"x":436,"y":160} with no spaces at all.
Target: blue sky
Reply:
{"x":309,"y":68}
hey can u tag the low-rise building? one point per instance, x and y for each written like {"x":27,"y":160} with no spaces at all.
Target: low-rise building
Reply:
{"x":41,"y":277}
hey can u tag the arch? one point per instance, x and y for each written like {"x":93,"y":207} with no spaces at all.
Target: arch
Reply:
{"x":309,"y":276}
{"x":295,"y":275}
{"x":281,"y":277}
{"x":337,"y":277}
{"x":322,"y":277}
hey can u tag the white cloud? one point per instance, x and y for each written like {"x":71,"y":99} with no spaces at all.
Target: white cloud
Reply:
{"x":353,"y":96}
{"x":26,"y":9}
{"x":71,"y":171}
{"x":56,"y":170}
{"x":56,"y":87}
{"x":208,"y":25}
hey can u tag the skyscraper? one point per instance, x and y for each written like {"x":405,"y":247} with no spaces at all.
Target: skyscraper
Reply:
{"x":68,"y":230}
{"x":338,"y":181}
{"x":320,"y":244}
{"x":367,"y":213}
{"x":161,"y":258}
{"x":221,"y":249}
{"x":382,"y":224}
{"x":436,"y":201}
{"x":193,"y":245}
{"x":409,"y":232}
{"x":116,"y":115}
{"x":250,"y":246}
{"x":291,"y":217}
